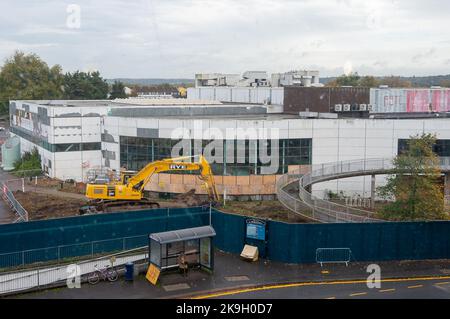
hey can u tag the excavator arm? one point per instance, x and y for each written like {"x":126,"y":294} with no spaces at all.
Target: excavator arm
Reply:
{"x":133,"y":188}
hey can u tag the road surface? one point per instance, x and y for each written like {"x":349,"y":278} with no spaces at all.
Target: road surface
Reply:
{"x":423,"y":288}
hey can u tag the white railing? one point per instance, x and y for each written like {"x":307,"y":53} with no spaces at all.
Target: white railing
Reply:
{"x":38,"y":278}
{"x":321,"y":210}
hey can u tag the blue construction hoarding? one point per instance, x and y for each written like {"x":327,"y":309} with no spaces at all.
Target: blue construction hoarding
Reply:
{"x":291,"y":243}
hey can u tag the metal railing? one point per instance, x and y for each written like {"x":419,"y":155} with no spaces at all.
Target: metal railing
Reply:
{"x":24,"y":184}
{"x":13,"y":203}
{"x":321,"y":210}
{"x":60,"y":254}
{"x":37,"y":278}
{"x":333,"y":255}
{"x":335,"y":212}
{"x":314,"y":208}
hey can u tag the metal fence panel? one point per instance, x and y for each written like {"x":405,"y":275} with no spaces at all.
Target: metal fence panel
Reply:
{"x":333,"y":255}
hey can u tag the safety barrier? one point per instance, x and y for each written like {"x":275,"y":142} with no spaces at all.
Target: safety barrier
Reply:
{"x":333,"y":255}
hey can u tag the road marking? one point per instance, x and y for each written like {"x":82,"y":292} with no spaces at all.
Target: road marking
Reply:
{"x":322,"y":283}
{"x":236,"y":278}
{"x":387,"y":290}
{"x":331,"y":298}
{"x":443,"y":283}
{"x":358,"y":294}
{"x":416,"y":286}
{"x":176,"y":287}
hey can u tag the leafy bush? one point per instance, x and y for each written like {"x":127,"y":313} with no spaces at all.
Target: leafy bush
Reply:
{"x":29,"y":164}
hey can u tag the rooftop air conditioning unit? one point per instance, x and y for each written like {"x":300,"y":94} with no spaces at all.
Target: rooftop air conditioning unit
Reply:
{"x":369,"y":107}
{"x":346,"y":108}
{"x":363,"y":107}
{"x":338,"y":107}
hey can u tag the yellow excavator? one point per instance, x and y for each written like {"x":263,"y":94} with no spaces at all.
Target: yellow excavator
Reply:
{"x":128,"y":189}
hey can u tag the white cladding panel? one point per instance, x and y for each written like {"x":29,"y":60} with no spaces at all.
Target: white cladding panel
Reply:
{"x":223,"y":94}
{"x":255,"y":95}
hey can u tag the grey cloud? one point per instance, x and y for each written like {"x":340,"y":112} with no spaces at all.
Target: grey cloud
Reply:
{"x":150,"y":38}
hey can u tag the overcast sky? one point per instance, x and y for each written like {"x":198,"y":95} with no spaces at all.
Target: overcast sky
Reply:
{"x":178,"y":38}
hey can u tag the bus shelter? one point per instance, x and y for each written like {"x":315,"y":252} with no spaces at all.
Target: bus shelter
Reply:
{"x":195,"y":244}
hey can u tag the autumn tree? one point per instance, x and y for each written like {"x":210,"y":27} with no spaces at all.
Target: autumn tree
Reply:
{"x":26,"y":76}
{"x":415,"y":187}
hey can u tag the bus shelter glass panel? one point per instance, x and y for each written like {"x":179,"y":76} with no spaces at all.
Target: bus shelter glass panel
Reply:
{"x":155,"y":255}
{"x":205,"y":252}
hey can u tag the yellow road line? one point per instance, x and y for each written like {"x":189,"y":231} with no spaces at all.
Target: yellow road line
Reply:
{"x":324,"y":283}
{"x":358,"y":294}
{"x":416,"y":286}
{"x":386,"y":290}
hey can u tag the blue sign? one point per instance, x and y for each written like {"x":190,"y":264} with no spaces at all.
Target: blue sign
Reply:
{"x":256,"y":229}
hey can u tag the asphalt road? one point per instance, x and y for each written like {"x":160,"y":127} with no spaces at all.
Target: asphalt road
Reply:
{"x":395,"y":289}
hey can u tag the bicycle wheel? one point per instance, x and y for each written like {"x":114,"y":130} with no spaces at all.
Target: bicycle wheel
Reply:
{"x":94,"y":278}
{"x":112,"y":275}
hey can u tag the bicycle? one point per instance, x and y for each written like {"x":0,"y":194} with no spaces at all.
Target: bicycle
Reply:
{"x":107,"y":273}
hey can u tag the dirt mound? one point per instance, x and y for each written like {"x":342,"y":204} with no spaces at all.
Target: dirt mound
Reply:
{"x":190,"y":199}
{"x":44,"y":206}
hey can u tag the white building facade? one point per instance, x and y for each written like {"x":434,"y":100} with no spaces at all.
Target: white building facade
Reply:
{"x":74,"y":137}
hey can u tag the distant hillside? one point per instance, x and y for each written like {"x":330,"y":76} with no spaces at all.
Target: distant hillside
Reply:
{"x":416,"y":81}
{"x":147,"y":82}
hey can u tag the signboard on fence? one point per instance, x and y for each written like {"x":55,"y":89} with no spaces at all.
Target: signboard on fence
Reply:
{"x":256,"y":229}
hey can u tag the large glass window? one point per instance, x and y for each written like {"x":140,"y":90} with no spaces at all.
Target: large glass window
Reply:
{"x":238,"y":157}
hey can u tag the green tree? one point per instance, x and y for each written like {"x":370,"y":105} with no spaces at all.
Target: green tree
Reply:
{"x":85,"y":86}
{"x":415,"y":187}
{"x":26,"y":76}
{"x":395,"y":82}
{"x":368,"y":81}
{"x":351,"y":79}
{"x":118,"y":91}
{"x":29,"y":164}
{"x":445,"y":83}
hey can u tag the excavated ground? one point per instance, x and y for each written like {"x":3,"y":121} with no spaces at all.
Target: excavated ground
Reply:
{"x":50,"y":198}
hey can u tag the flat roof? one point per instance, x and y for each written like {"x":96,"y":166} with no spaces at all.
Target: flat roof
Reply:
{"x":137,"y":102}
{"x":173,"y":236}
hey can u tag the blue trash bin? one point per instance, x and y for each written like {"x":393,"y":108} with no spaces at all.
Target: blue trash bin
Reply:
{"x":129,"y":271}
